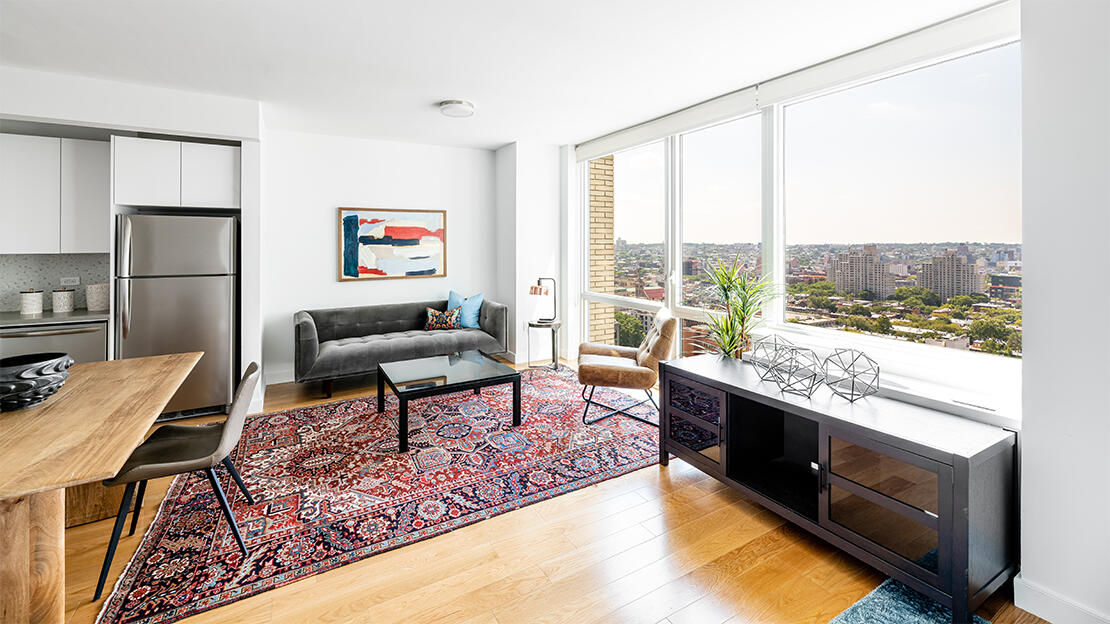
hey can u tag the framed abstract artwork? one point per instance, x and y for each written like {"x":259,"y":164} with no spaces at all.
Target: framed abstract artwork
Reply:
{"x":379,"y":244}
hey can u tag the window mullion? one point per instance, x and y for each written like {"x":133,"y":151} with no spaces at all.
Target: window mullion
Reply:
{"x":773,"y":231}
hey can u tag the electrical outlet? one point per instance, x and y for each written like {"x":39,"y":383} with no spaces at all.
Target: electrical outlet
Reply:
{"x":71,"y":281}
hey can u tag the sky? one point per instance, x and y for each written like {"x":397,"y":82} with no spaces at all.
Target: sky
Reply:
{"x":932,"y":155}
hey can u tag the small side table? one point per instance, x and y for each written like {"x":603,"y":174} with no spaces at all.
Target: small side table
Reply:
{"x":554,"y":327}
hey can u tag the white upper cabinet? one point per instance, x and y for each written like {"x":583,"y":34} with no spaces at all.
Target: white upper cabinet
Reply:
{"x":152,"y":172}
{"x":29,"y":193}
{"x":147,"y":172}
{"x":209,"y":176}
{"x":85,"y":209}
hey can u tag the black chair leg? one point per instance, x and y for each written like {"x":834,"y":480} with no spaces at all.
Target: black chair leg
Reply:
{"x":219,"y":491}
{"x":613,"y":411}
{"x":138,"y":507}
{"x":238,"y":480}
{"x":124,"y":507}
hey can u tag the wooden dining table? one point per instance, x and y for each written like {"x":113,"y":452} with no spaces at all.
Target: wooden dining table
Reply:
{"x":82,"y":434}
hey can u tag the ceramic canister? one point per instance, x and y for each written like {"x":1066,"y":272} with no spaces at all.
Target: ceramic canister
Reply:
{"x":30,"y":302}
{"x":63,"y":300}
{"x":96,"y":297}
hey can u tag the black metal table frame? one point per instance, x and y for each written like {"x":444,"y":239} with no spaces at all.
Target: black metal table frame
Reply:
{"x":404,"y":396}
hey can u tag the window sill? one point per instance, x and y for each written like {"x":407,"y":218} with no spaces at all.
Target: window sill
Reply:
{"x":977,"y":386}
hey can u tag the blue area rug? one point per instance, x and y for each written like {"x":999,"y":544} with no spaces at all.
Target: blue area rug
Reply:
{"x":894,"y":603}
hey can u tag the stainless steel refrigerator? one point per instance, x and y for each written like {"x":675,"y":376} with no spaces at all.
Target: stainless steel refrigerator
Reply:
{"x":176,"y":292}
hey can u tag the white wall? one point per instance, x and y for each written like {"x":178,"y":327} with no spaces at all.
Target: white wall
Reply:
{"x":307,"y":177}
{"x":79,"y":100}
{"x":1065,"y":493}
{"x":528,"y":239}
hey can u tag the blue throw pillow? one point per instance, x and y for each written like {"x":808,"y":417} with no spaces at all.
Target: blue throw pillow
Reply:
{"x":470,"y":307}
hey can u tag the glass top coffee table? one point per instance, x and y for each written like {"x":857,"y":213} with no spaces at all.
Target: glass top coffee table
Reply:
{"x":442,"y":374}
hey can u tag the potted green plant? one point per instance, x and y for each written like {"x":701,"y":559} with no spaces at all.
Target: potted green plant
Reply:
{"x":742,"y":296}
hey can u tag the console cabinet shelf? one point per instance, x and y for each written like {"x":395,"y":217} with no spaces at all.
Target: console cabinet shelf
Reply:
{"x":926,"y":497}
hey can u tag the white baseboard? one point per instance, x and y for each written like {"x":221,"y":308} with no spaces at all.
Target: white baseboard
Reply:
{"x":1047,"y":604}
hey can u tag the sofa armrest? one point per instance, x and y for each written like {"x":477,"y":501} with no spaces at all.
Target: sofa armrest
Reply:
{"x":493,"y":318}
{"x":306,"y":344}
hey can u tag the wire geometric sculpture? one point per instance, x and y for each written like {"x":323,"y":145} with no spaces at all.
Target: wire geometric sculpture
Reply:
{"x":851,"y":374}
{"x":797,"y":370}
{"x":763,"y":353}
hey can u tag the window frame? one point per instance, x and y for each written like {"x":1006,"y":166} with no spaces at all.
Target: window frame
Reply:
{"x":904,"y":375}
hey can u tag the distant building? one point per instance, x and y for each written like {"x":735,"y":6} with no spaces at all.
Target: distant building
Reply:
{"x":695,"y":338}
{"x":856,"y":271}
{"x":690,"y":266}
{"x":958,"y":342}
{"x":806,"y":278}
{"x":950,"y":275}
{"x":900,"y":269}
{"x":1005,"y":286}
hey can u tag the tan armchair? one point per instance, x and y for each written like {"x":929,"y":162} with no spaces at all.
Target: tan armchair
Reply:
{"x":635,"y":368}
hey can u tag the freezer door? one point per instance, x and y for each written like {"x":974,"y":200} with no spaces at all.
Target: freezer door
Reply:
{"x":84,"y":342}
{"x":157,"y":316}
{"x":157,"y":245}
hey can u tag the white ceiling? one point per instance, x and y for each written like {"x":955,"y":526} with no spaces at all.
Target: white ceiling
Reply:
{"x":558,"y":72}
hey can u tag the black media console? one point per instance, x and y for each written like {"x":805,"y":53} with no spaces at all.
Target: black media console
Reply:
{"x":923,"y":496}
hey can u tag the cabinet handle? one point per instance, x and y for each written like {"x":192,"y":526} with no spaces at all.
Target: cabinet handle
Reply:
{"x":822,"y":476}
{"x":55,"y":332}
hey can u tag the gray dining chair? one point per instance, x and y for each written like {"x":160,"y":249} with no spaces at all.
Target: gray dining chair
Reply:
{"x":177,"y":449}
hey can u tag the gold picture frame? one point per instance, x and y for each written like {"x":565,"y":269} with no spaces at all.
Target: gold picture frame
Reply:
{"x":388,"y":243}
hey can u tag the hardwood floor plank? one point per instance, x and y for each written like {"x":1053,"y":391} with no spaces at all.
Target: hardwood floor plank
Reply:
{"x":713,"y":577}
{"x":595,"y":590}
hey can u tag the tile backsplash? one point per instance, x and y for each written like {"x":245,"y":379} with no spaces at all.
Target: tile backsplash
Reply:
{"x":45,"y":271}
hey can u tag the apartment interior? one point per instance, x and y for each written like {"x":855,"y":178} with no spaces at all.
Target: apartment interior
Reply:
{"x":733,"y":327}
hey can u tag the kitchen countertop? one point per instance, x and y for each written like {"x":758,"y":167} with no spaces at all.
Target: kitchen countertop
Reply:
{"x":48,"y":317}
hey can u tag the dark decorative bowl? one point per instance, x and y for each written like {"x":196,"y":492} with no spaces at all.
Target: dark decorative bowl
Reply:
{"x":27,"y":380}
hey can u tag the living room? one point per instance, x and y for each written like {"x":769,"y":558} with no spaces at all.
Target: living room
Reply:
{"x":606,"y":312}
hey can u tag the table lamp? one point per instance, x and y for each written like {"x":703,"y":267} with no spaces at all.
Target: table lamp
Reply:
{"x":539,"y":289}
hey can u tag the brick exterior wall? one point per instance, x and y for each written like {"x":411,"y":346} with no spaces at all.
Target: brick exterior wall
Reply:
{"x":602,"y":268}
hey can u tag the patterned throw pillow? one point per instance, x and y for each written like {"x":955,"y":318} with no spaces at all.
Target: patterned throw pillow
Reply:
{"x":451,"y":319}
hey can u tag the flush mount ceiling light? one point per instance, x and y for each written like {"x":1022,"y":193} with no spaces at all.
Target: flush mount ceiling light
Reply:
{"x":456,"y":108}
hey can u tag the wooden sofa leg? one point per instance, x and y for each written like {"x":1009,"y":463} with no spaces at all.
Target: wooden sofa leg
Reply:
{"x":327,"y":388}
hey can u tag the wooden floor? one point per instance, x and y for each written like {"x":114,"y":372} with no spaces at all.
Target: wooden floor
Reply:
{"x":667,"y":545}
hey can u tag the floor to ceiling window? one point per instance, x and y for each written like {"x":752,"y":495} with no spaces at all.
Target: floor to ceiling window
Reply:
{"x":888,"y":213}
{"x":902,"y":206}
{"x":627,"y":213}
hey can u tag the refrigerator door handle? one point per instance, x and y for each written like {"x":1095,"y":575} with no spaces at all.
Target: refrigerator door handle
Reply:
{"x":125,"y":307}
{"x":125,"y":246}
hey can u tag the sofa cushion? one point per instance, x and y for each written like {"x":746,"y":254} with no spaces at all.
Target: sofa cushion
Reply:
{"x":451,"y":319}
{"x":470,"y":307}
{"x":359,"y":355}
{"x":614,"y":371}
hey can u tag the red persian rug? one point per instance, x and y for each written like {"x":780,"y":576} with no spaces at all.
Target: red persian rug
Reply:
{"x":331,"y":489}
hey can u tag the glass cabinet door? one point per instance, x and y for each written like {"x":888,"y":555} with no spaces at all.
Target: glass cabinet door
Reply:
{"x":888,"y":501}
{"x":887,"y":475}
{"x":694,"y":437}
{"x":694,"y":415}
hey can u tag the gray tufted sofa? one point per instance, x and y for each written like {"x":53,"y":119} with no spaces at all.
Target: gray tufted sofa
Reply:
{"x":344,"y":342}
